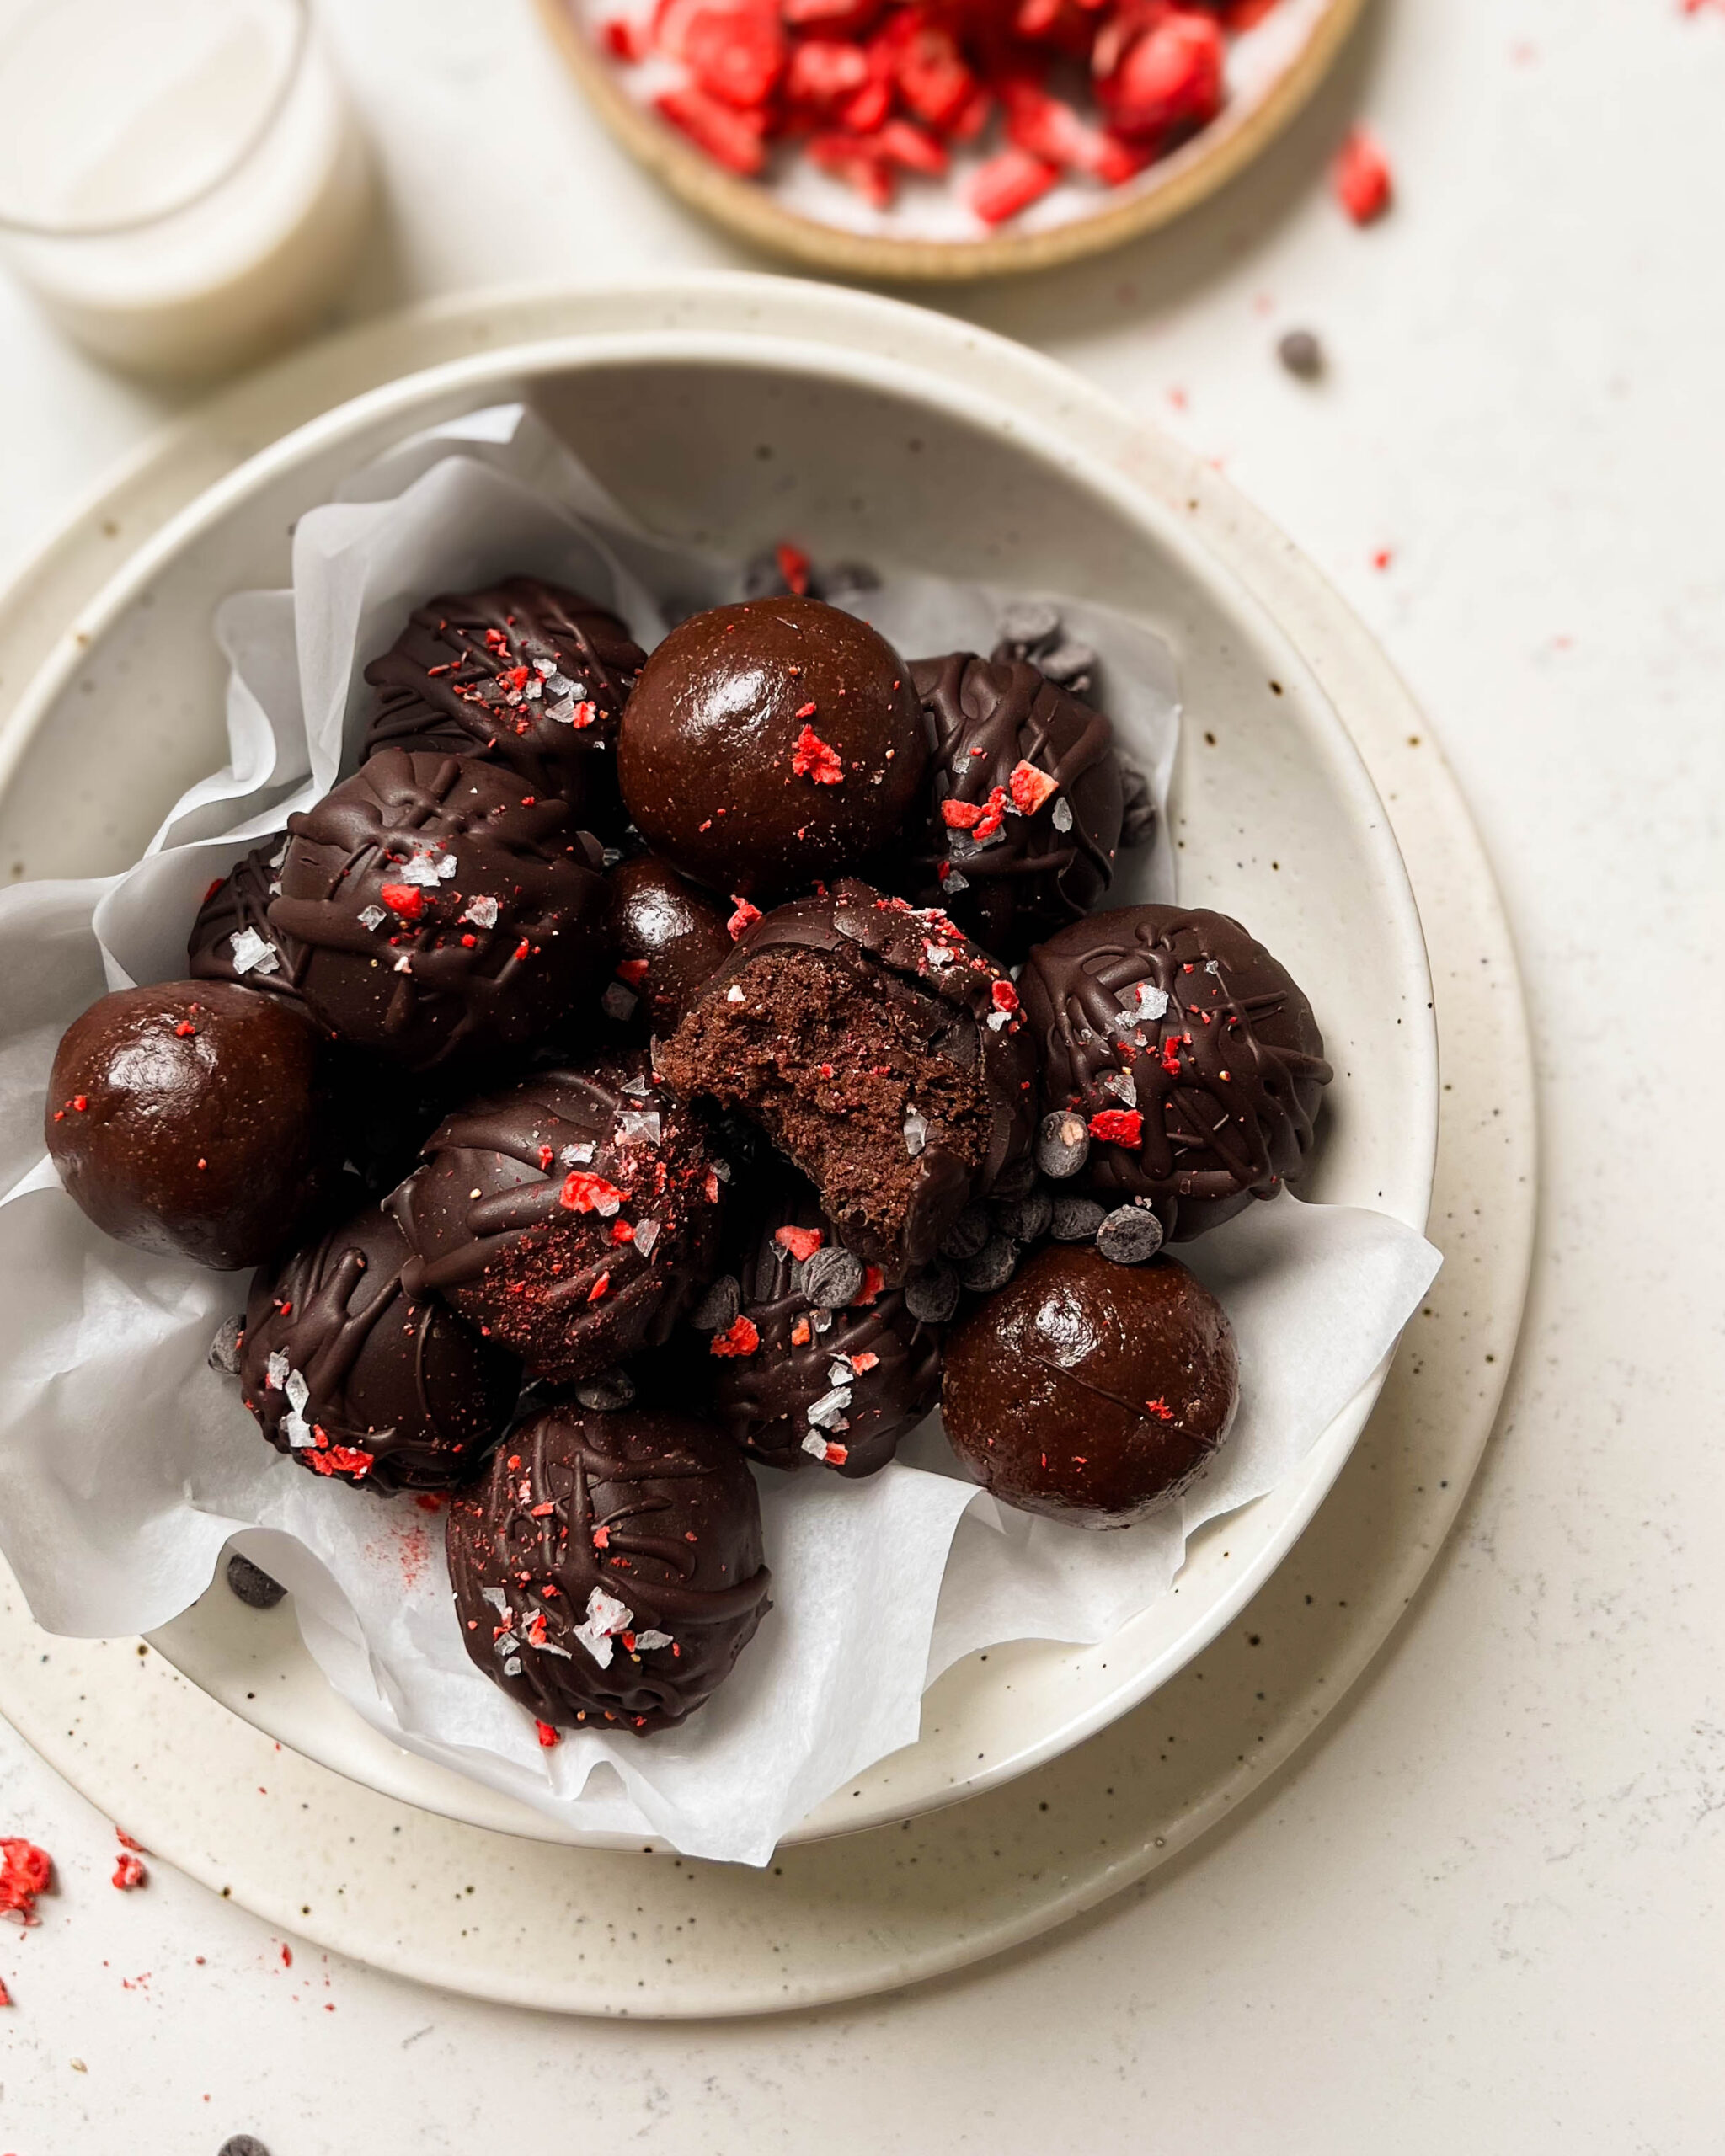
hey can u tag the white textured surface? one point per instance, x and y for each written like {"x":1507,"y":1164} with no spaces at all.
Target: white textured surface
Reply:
{"x":1483,"y":1910}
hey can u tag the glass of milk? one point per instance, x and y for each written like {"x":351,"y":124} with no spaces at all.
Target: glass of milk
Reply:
{"x":182,"y":183}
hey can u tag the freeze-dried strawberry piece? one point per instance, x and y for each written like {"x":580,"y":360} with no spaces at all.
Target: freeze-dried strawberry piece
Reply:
{"x":854,"y":159}
{"x":903,"y":143}
{"x":734,"y":53}
{"x":930,"y":70}
{"x":1008,"y":183}
{"x":1050,"y":129}
{"x":822,"y":72}
{"x":1169,"y":79}
{"x":834,"y":17}
{"x":731,"y":138}
{"x":625,"y":40}
{"x":1361,"y":177}
{"x":870,"y":108}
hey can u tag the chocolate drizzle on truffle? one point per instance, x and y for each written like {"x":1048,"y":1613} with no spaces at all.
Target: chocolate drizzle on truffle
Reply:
{"x":1193,"y":1057}
{"x":881,"y":1050}
{"x":610,"y":1569}
{"x":527,"y":673}
{"x":571,"y":1218}
{"x":351,"y":1377}
{"x":1024,"y":801}
{"x":434,"y":909}
{"x":232,"y":939}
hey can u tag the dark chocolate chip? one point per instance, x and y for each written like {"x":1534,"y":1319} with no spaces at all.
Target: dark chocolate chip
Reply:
{"x":1071,"y":664}
{"x":832,"y":1278}
{"x":992,"y":1266}
{"x":1028,"y":622}
{"x":932,"y":1297}
{"x":606,"y":1391}
{"x":1130,"y":1235}
{"x":252,"y":1584}
{"x":720,"y":1307}
{"x":1076,"y":1219}
{"x":1016,"y":1180}
{"x":1301,"y":353}
{"x":224,"y":1349}
{"x":1031,"y":1217}
{"x":1062,"y":1144}
{"x":968,"y":1232}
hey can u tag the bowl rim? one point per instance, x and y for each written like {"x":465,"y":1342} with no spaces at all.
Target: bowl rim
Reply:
{"x":1171,"y":186}
{"x":462,"y":384}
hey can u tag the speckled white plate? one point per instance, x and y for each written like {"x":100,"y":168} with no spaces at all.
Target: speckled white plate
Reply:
{"x":597,"y":1932}
{"x":741,"y":439}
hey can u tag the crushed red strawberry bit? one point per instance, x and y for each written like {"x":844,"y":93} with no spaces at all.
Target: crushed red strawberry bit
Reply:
{"x":407,"y":900}
{"x":1003,"y":996}
{"x":1030,"y":788}
{"x":584,"y":1192}
{"x":817,"y":759}
{"x":1118,"y":1127}
{"x":548,"y":1733}
{"x":632,"y":970}
{"x":873,"y":90}
{"x":1160,"y":1408}
{"x":25,"y":1872}
{"x":873,"y":1280}
{"x":793,"y":566}
{"x":741,"y":1337}
{"x":1360,"y":177}
{"x":743,"y":919}
{"x":596,"y":1292}
{"x":802,"y":1243}
{"x":341,"y":1459}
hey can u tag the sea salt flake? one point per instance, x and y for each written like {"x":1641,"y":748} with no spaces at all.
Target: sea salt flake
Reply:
{"x":828,"y":1412}
{"x":533,"y":691}
{"x":1122,"y":1085}
{"x":498,"y":1600}
{"x":618,"y":1002}
{"x":998,"y":1020}
{"x":1148,"y":1000}
{"x":954,"y":884}
{"x":840,"y":1374}
{"x":550,"y":1646}
{"x":297,"y":1390}
{"x":276,"y":1369}
{"x":562,"y":711}
{"x":647,"y":1233}
{"x":505,"y":1643}
{"x":276,"y":859}
{"x":733,"y":994}
{"x":512,"y":1668}
{"x":1061,"y":814}
{"x":939,"y":955}
{"x":482,"y":912}
{"x":254,"y":953}
{"x":297,"y":1431}
{"x":637,"y":1088}
{"x":815,"y":1445}
{"x":577,"y":1156}
{"x":429,"y":868}
{"x":402,"y":965}
{"x":915,"y":1132}
{"x":372,"y":917}
{"x":645,"y":1641}
{"x":605,"y":1616}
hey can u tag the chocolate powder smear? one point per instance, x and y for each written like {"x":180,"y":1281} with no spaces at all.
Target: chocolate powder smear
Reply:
{"x":353,"y":1378}
{"x":525,"y":674}
{"x":608,"y":1569}
{"x":878,"y":1048}
{"x":1189,"y":1050}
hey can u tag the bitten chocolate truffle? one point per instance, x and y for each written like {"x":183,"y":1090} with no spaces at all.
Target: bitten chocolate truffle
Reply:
{"x":820,"y":1361}
{"x":571,"y":1217}
{"x":193,"y":1120}
{"x":609,"y":1570}
{"x":1194,"y":1060}
{"x":771,"y":743}
{"x":1023,"y":802}
{"x":670,"y":938}
{"x":1089,"y":1391}
{"x":879,"y":1050}
{"x":232,"y":939}
{"x":436,"y":911}
{"x":353,"y":1379}
{"x":527,"y":674}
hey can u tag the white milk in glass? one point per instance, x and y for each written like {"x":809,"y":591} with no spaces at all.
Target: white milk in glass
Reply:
{"x":181,"y":181}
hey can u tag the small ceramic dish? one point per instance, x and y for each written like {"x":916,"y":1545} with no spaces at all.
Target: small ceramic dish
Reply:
{"x":740,"y":439}
{"x":1274,"y":69}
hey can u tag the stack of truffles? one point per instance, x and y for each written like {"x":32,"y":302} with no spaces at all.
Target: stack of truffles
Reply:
{"x":641,"y":1067}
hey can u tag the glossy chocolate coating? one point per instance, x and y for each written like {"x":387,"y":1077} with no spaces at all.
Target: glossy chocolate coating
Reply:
{"x":1226,"y":1077}
{"x":452,"y":967}
{"x":527,"y":673}
{"x":1089,"y":1391}
{"x":593,"y":1538}
{"x":854,"y":1012}
{"x":1021,"y":875}
{"x":803,"y":1353}
{"x":710,"y":762}
{"x":400,"y":1395}
{"x":240,"y":903}
{"x":206,"y":1130}
{"x":569,"y":1232}
{"x":670,"y":938}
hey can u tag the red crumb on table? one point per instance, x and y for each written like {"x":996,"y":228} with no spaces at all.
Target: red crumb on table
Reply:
{"x":128,"y":1873}
{"x":25,"y":1872}
{"x":548,"y":1734}
{"x":877,"y":93}
{"x":1360,"y":177}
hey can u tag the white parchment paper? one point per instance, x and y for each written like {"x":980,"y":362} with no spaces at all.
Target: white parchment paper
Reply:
{"x":127,"y":1463}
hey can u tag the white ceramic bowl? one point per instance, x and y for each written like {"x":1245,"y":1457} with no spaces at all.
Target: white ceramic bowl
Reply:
{"x":735,"y":439}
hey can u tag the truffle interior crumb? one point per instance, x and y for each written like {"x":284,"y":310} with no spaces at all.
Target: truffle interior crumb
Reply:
{"x":831,"y":1071}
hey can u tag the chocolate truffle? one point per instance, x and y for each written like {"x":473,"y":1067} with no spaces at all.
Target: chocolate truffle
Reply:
{"x":609,"y":1569}
{"x":193,"y":1120}
{"x":571,"y":1217}
{"x":232,"y":939}
{"x":820,"y":1361}
{"x":1193,"y":1058}
{"x":439,"y":912}
{"x":352,"y":1378}
{"x":1023,"y":803}
{"x":526,"y":674}
{"x":1089,"y":1391}
{"x":671,"y":939}
{"x":880,"y":1050}
{"x":770,"y":744}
